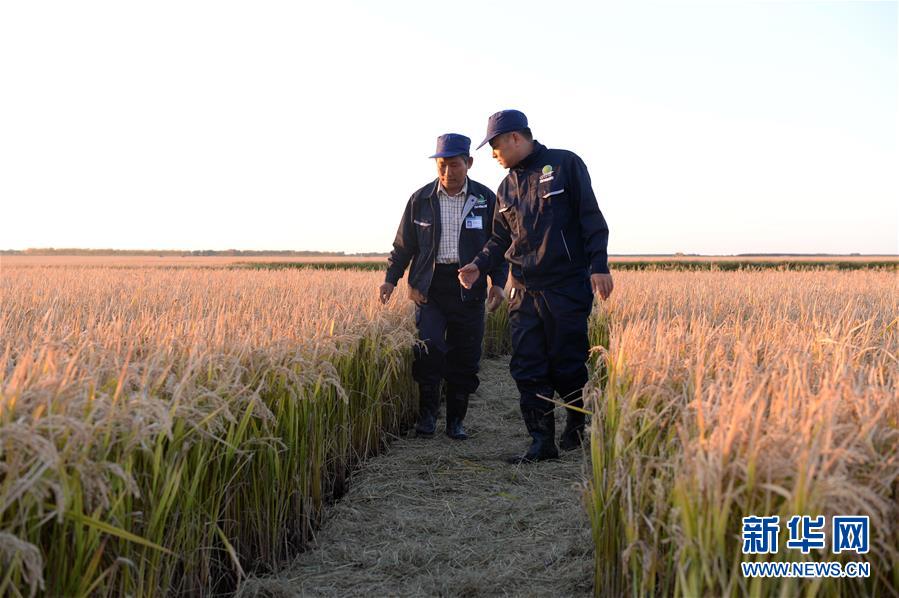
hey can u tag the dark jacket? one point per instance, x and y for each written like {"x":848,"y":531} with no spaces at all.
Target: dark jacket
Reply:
{"x":418,"y":238}
{"x":548,"y":223}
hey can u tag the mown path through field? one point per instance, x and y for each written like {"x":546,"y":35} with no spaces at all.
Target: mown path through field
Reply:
{"x":446,"y":518}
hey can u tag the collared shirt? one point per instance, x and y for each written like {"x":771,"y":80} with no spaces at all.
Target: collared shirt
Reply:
{"x":450,"y":223}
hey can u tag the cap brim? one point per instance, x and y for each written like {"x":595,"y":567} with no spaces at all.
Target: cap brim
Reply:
{"x":446,"y":155}
{"x":486,"y":141}
{"x":494,"y":135}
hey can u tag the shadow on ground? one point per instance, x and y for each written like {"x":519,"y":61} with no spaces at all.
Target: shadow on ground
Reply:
{"x":447,"y":518}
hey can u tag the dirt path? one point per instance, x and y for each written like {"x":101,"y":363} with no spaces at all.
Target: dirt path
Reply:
{"x":446,"y":518}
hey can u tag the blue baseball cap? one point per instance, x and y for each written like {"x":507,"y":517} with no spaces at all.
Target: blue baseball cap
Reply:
{"x":503,"y":122}
{"x":452,"y":144}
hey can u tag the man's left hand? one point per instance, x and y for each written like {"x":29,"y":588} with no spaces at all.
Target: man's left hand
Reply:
{"x":602,"y":284}
{"x":495,"y":297}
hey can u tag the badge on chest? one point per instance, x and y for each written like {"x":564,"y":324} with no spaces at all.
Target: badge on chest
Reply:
{"x":474,"y":222}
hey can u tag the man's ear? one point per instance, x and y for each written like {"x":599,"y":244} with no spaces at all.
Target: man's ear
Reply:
{"x":470,"y":161}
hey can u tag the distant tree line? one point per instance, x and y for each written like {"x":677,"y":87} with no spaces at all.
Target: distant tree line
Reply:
{"x":293,"y":253}
{"x":185,"y":253}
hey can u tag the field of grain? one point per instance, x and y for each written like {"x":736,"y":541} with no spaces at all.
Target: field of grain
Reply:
{"x":167,"y":430}
{"x":170,"y":430}
{"x":737,"y":394}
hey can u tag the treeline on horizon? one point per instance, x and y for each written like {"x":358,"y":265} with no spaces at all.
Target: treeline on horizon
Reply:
{"x":307,"y":253}
{"x":617,"y":266}
{"x":186,"y":253}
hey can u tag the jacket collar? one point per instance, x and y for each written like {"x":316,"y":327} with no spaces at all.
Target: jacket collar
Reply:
{"x":434,"y":186}
{"x":532,"y":158}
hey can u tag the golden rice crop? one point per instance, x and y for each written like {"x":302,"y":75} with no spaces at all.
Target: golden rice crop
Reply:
{"x":737,"y":394}
{"x":163,"y":430}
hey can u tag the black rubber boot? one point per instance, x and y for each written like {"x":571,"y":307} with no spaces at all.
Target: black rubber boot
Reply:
{"x":542,"y":427}
{"x":428,"y":408}
{"x":573,"y":435}
{"x":456,"y":408}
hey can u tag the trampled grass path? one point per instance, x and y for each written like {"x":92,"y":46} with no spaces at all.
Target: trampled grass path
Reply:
{"x":446,"y":518}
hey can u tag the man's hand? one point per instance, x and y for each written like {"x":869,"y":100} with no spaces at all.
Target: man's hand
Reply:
{"x":495,"y":297}
{"x":417,"y":296}
{"x":602,"y":284}
{"x":385,"y":291}
{"x":468,"y":275}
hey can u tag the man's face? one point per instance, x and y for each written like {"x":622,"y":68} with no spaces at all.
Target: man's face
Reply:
{"x":507,"y":149}
{"x":452,"y":172}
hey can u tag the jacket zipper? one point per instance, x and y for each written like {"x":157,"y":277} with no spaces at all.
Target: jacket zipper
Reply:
{"x":435,"y":218}
{"x":524,"y":279}
{"x":459,"y":249}
{"x":565,"y":244}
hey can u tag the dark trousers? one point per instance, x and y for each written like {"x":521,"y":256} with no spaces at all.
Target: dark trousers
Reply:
{"x":549,"y":342}
{"x":452,"y":331}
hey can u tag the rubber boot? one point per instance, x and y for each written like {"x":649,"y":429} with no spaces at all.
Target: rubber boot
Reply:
{"x":428,"y":407}
{"x":573,"y":435}
{"x":541,"y":426}
{"x":456,"y":408}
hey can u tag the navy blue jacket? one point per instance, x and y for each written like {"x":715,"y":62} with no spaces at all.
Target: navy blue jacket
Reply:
{"x":418,"y":238}
{"x":548,"y":223}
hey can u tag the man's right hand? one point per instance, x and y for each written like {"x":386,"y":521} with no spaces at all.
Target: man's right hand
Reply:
{"x":385,"y":291}
{"x":417,"y":296}
{"x":468,"y":275}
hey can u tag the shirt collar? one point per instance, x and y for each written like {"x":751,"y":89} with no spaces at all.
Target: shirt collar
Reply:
{"x":442,"y":191}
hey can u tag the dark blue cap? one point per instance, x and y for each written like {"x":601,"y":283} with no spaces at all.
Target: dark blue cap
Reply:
{"x":503,"y":122}
{"x":452,"y":144}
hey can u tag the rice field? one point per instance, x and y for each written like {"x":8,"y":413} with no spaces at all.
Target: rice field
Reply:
{"x":736,"y":394}
{"x":170,"y":430}
{"x":165,"y":431}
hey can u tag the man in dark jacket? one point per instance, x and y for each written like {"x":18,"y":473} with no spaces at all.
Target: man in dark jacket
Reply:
{"x":445,"y":224}
{"x":549,"y":227}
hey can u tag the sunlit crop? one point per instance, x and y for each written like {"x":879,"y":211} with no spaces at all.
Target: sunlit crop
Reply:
{"x":736,"y":394}
{"x":162,"y":429}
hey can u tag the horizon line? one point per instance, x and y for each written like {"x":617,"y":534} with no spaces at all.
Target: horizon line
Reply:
{"x":310,"y":252}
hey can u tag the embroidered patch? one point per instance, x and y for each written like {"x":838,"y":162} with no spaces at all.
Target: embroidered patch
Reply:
{"x":547,"y":174}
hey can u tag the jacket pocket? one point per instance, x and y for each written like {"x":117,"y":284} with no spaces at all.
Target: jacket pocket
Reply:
{"x":511,"y":216}
{"x":425,"y":233}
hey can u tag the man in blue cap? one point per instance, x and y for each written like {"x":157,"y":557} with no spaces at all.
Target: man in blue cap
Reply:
{"x":445,"y":224}
{"x":549,"y":227}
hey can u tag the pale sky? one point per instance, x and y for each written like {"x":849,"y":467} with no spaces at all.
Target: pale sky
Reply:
{"x":707,"y":127}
